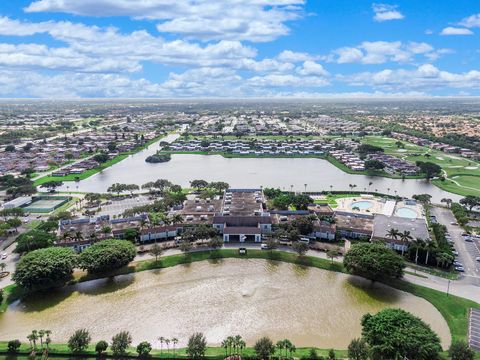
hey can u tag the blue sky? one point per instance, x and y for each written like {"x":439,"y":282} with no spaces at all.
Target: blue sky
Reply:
{"x":239,"y":48}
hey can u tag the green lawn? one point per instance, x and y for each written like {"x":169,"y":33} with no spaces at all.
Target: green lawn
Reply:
{"x":462,"y":170}
{"x":84,"y":175}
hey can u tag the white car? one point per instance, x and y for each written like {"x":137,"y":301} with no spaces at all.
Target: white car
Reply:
{"x":4,"y":256}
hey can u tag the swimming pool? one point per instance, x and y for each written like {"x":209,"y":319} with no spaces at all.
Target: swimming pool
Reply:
{"x":406,"y":213}
{"x":362,"y":205}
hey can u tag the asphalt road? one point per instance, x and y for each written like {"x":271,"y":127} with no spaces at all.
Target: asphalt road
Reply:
{"x":467,"y":251}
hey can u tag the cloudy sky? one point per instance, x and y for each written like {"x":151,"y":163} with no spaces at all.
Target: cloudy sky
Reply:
{"x":238,"y":48}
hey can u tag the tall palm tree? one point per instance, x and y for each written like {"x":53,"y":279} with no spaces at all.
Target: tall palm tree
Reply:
{"x":238,"y":341}
{"x":175,"y":342}
{"x":225,"y":346}
{"x":417,"y":244}
{"x":230,"y":344}
{"x":405,"y":237}
{"x":41,"y":334}
{"x":165,"y":219}
{"x":430,"y":247}
{"x":34,"y":336}
{"x":167,"y":342}
{"x":161,"y":339}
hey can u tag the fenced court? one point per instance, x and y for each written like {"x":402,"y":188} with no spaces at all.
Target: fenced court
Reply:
{"x":46,"y":204}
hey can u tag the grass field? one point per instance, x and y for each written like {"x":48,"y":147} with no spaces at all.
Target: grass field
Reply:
{"x":465,"y":173}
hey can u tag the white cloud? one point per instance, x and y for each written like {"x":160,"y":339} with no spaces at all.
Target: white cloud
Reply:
{"x":312,"y":68}
{"x":94,"y":49}
{"x":385,"y":12}
{"x":456,"y":31}
{"x":71,"y":85}
{"x":424,"y":77}
{"x":471,"y":21}
{"x":379,"y":52}
{"x":254,"y":20}
{"x":292,"y":56}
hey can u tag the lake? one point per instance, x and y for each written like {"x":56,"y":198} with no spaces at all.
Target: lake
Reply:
{"x":284,"y":173}
{"x":253,"y":298}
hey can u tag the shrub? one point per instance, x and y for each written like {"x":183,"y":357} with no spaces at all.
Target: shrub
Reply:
{"x":144,"y":348}
{"x":14,"y":346}
{"x":79,"y":341}
{"x":101,"y":347}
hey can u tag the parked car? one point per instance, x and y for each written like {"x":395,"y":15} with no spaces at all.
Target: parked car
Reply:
{"x":264,"y":247}
{"x":455,"y":252}
{"x":478,"y":258}
{"x":468,"y":239}
{"x":457,"y":263}
{"x":454,"y":223}
{"x":459,"y":268}
{"x":4,"y":256}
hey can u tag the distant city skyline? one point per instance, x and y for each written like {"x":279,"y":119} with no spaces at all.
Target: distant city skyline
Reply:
{"x":238,"y":48}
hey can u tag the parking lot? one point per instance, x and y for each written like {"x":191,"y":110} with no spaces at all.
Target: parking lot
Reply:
{"x":468,"y":251}
{"x":474,"y":329}
{"x":117,"y":207}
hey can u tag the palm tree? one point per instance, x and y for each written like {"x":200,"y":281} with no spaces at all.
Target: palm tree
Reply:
{"x":177,"y":219}
{"x":447,"y":201}
{"x":392,"y":234}
{"x":167,"y":342}
{"x":78,"y":236}
{"x":30,"y":340}
{"x":237,"y":341}
{"x":243,"y":344}
{"x":161,"y":339}
{"x":405,"y":237}
{"x":225,"y":346}
{"x":165,"y":219}
{"x":431,"y":246}
{"x":230,"y":344}
{"x":34,"y":336}
{"x":175,"y":342}
{"x":417,"y":245}
{"x":41,"y":334}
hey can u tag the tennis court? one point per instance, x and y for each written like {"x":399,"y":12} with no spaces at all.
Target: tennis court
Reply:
{"x":46,"y":204}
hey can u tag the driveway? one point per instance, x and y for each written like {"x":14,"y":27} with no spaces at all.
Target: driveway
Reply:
{"x":467,"y":251}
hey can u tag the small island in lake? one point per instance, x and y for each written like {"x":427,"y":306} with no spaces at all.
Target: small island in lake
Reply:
{"x":158,"y":158}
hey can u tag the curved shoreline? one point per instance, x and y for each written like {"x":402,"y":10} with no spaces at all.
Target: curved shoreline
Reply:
{"x":452,"y":308}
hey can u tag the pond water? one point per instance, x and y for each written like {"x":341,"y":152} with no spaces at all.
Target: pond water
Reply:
{"x":318,"y":174}
{"x":253,"y":298}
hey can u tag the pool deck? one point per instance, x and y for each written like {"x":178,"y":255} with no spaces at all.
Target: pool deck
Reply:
{"x":379,"y":206}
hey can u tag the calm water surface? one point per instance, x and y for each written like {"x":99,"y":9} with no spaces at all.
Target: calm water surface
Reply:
{"x":318,"y":174}
{"x":309,"y":306}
